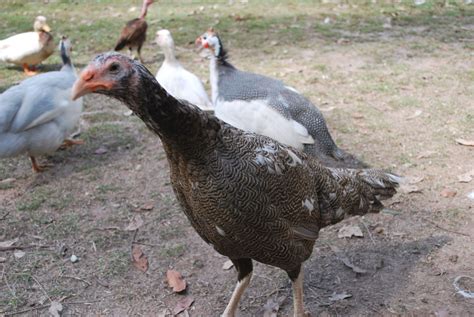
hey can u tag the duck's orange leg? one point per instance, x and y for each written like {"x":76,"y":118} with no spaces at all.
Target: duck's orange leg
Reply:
{"x":30,"y":71}
{"x":36,"y":167}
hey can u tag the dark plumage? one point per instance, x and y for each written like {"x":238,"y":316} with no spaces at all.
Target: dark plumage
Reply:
{"x":247,"y":195}
{"x":268,"y":106}
{"x":133,"y":35}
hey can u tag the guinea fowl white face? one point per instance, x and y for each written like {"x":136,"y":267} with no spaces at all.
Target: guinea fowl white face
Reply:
{"x":209,"y":42}
{"x":40,"y":24}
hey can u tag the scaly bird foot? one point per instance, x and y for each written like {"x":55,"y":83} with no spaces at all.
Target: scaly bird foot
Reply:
{"x":38,"y":168}
{"x":29,"y":71}
{"x":70,"y":142}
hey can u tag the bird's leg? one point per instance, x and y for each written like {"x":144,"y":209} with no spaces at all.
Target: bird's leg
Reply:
{"x":244,"y":270}
{"x":296,"y":277}
{"x":70,"y":142}
{"x":30,"y":71}
{"x":36,"y":167}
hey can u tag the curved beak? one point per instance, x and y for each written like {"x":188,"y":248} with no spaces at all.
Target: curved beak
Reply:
{"x":88,"y":83}
{"x":46,"y":28}
{"x":201,"y":44}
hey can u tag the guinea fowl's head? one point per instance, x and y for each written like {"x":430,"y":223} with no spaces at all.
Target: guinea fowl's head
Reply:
{"x":210,"y":42}
{"x":41,"y":25}
{"x":114,"y":75}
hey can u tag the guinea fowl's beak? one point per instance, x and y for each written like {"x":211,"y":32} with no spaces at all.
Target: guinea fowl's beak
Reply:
{"x":201,"y":43}
{"x":88,"y":82}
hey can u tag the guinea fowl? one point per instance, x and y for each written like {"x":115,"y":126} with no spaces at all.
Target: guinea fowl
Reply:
{"x":38,"y":115}
{"x":247,"y":195}
{"x":133,"y":34}
{"x":267,"y":106}
{"x":178,"y":81}
{"x":29,"y":48}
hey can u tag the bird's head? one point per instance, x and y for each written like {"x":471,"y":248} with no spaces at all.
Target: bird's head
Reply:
{"x":41,"y":25}
{"x":210,"y":42}
{"x":110,"y":74}
{"x":164,"y":39}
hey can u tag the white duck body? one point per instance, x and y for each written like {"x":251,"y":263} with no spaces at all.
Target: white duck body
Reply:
{"x":28,"y":48}
{"x":178,"y":81}
{"x":37,"y":115}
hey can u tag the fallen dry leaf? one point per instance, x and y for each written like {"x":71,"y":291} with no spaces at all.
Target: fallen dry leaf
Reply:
{"x":336,"y":297}
{"x":465,"y":142}
{"x":148,"y":206}
{"x":227,"y":265}
{"x":466,"y":177}
{"x":176,"y":281}
{"x":139,"y":258}
{"x":183,"y":304}
{"x":8,"y":243}
{"x":101,"y":150}
{"x":415,"y":179}
{"x":448,"y":193}
{"x":135,"y":223}
{"x":409,"y":189}
{"x":348,"y":231}
{"x":416,"y":114}
{"x":55,"y":308}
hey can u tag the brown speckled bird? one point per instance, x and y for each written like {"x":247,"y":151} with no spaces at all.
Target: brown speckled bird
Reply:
{"x":248,"y":196}
{"x":133,"y":34}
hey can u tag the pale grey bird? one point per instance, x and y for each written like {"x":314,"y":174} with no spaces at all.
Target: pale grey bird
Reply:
{"x":267,"y":106}
{"x":38,"y":115}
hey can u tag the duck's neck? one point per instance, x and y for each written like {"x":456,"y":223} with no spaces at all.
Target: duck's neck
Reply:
{"x":144,"y":10}
{"x":181,"y":127}
{"x":170,"y":56}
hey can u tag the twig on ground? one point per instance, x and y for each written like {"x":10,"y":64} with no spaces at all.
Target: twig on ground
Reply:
{"x":42,"y":287}
{"x":22,"y":247}
{"x":368,"y":231}
{"x":4,"y":216}
{"x":446,"y":229}
{"x":18,"y":312}
{"x":77,"y":279}
{"x":146,"y":244}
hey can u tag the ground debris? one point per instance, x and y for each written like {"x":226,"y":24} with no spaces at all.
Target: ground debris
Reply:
{"x":139,"y":259}
{"x":348,"y":231}
{"x":271,"y":307}
{"x":463,"y":289}
{"x":337,"y":297}
{"x":135,"y":223}
{"x":55,"y":309}
{"x":448,"y":193}
{"x":466,"y":177}
{"x":465,"y":142}
{"x":227,"y":265}
{"x":183,"y":304}
{"x":176,"y":281}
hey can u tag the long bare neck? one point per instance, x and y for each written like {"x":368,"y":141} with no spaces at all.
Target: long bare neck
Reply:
{"x":181,"y":126}
{"x":144,"y":10}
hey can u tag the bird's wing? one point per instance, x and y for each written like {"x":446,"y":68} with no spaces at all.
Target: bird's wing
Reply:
{"x":45,"y":98}
{"x":195,"y":90}
{"x":10,"y":103}
{"x":19,"y":45}
{"x":133,"y":30}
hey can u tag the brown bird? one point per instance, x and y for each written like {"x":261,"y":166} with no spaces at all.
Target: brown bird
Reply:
{"x":134,"y":33}
{"x":247,"y":195}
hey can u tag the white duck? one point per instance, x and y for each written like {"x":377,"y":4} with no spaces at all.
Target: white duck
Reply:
{"x":38,"y":115}
{"x":30,"y":48}
{"x":178,"y":81}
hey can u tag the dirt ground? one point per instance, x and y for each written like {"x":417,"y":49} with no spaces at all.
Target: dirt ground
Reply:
{"x":396,"y":85}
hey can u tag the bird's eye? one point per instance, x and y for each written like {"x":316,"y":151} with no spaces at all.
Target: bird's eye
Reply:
{"x":204,"y":37}
{"x":114,"y":67}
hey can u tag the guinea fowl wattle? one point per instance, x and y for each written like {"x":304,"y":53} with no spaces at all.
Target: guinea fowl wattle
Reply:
{"x":247,"y":195}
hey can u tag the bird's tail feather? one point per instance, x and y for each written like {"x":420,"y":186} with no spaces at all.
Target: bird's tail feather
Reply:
{"x":360,"y":191}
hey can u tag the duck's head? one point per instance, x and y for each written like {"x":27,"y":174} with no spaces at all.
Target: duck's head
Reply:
{"x":40,"y":24}
{"x":210,"y":42}
{"x":164,"y":39}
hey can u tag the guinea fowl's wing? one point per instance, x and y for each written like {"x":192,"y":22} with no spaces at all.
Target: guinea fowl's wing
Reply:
{"x":45,"y":98}
{"x":257,"y":88}
{"x":133,"y":30}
